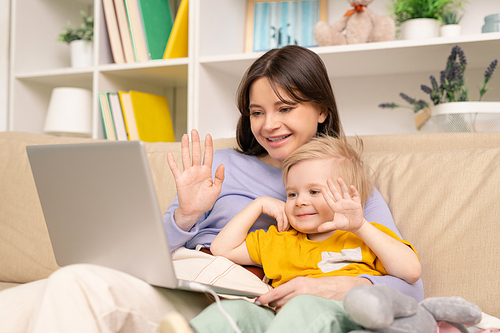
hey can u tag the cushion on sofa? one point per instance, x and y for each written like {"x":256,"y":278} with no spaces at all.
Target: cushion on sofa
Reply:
{"x":446,"y":203}
{"x":24,"y":242}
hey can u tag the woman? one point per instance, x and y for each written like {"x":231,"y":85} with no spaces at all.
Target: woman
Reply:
{"x":285,"y":98}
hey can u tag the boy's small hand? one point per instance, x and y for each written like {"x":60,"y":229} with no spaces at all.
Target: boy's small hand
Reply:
{"x":275,"y":208}
{"x":347,"y":208}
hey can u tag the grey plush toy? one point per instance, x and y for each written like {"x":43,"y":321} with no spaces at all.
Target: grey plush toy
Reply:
{"x":381,"y":308}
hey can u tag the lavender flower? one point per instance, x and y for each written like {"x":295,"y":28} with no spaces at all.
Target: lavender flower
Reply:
{"x":388,"y":105}
{"x":451,"y":87}
{"x":407,"y":98}
{"x":491,"y":68}
{"x":487,"y":76}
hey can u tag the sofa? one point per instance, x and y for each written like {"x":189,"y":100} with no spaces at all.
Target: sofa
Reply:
{"x":443,"y":190}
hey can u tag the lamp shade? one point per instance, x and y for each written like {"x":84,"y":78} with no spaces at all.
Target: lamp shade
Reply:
{"x":69,"y":113}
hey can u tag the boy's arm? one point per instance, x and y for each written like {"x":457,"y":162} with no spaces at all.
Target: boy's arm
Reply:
{"x":397,"y":258}
{"x":230,"y":242}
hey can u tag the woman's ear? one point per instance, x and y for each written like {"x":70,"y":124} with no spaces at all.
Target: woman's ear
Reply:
{"x":322,"y":115}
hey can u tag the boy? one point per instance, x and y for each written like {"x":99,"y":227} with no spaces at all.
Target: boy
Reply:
{"x":329,"y":235}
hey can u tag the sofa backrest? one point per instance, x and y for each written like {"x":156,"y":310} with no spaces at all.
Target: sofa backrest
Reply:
{"x":442,"y":189}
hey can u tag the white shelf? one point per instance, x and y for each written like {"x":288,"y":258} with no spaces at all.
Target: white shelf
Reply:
{"x":201,"y":88}
{"x":383,"y":58}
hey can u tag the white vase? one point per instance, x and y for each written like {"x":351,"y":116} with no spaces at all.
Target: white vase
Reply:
{"x":420,"y":28}
{"x":450,"y":30}
{"x":81,"y":53}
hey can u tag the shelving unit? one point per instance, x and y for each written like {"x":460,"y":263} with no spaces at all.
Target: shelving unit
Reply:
{"x":201,"y":88}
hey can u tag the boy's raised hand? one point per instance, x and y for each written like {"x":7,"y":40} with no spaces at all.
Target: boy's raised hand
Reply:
{"x":275,"y":208}
{"x":196,"y":190}
{"x":348,"y":210}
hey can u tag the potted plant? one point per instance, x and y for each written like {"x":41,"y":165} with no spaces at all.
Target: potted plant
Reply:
{"x":80,"y":40}
{"x":450,"y":20}
{"x":451,"y":97}
{"x":419,"y":19}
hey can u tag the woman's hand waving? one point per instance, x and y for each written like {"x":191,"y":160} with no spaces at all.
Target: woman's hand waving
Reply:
{"x":196,"y":190}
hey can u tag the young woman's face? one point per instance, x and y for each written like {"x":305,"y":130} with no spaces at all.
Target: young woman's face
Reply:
{"x":280,"y":127}
{"x":305,"y":207}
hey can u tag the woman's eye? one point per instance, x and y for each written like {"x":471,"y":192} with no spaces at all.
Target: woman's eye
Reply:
{"x":286,"y":109}
{"x":255,"y":113}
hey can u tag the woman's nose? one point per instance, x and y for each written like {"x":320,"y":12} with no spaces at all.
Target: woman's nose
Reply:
{"x":272,"y":122}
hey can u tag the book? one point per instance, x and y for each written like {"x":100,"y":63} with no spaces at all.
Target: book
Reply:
{"x":138,"y":38}
{"x":107,"y":119}
{"x":121,"y":16}
{"x":152,"y":117}
{"x":157,"y":22}
{"x":128,"y":115}
{"x":113,"y":32}
{"x":177,"y":46}
{"x":116,"y":113}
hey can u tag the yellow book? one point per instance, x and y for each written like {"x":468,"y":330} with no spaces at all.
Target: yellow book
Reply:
{"x":152,"y":117}
{"x":177,"y":46}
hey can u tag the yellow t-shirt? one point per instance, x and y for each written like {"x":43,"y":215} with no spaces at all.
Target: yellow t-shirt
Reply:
{"x":286,"y":255}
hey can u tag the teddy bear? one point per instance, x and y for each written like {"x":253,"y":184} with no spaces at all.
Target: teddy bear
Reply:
{"x":381,"y":308}
{"x":358,"y":25}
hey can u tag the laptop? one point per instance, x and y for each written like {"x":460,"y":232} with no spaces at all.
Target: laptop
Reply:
{"x":100,"y":207}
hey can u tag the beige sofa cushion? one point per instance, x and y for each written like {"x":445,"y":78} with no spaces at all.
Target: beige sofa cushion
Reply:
{"x":26,"y":252}
{"x":446,"y":203}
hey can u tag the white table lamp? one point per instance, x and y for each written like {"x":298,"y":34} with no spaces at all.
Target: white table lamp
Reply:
{"x":69,"y":113}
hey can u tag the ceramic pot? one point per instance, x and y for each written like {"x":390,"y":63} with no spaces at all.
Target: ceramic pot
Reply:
{"x":420,"y":28}
{"x":81,"y":53}
{"x":450,"y":30}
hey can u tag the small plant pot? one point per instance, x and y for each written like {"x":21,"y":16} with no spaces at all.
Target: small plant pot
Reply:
{"x":450,"y":30}
{"x":420,"y":28}
{"x":81,"y":53}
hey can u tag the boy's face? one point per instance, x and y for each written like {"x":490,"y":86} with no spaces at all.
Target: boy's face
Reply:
{"x":305,"y":206}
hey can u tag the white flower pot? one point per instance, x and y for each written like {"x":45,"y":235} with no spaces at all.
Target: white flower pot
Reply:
{"x":81,"y":53}
{"x":470,"y":116}
{"x":450,"y":30}
{"x":421,"y":28}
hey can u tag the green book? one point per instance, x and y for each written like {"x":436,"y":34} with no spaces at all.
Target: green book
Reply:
{"x":157,"y":22}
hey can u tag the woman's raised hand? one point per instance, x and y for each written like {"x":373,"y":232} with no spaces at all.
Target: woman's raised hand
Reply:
{"x":196,"y":190}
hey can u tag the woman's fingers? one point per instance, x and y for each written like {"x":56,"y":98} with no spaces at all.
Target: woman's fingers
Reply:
{"x":209,"y":151}
{"x":186,"y":156}
{"x":195,"y":140}
{"x":173,"y":166}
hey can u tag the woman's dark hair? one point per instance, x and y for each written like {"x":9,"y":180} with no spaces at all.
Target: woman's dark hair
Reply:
{"x":302,"y":75}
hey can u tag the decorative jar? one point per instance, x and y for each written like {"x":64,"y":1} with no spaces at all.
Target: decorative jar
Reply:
{"x":491,"y":23}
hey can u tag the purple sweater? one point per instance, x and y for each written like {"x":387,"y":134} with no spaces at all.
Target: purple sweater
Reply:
{"x":247,"y":178}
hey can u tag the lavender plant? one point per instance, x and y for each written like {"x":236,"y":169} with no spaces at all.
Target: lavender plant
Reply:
{"x":451,"y":87}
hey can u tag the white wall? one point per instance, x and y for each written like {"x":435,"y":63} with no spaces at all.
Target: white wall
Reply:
{"x":4,"y":61}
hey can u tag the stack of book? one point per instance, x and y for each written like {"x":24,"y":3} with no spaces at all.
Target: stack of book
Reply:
{"x":143,"y":30}
{"x":135,"y":115}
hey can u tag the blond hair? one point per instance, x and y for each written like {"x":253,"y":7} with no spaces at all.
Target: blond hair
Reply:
{"x":344,"y":158}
